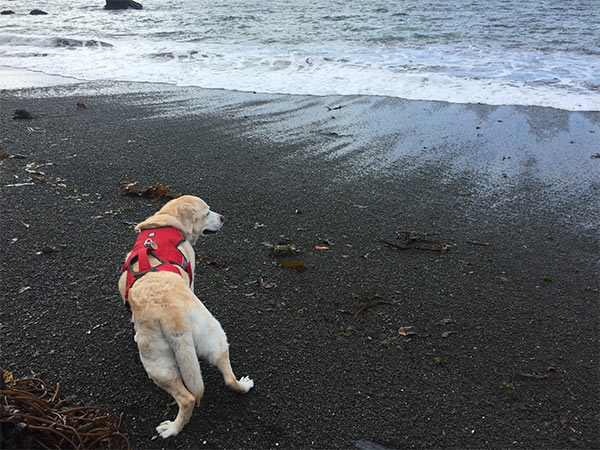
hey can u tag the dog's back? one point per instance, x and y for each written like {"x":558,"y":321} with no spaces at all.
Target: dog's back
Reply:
{"x":164,"y":328}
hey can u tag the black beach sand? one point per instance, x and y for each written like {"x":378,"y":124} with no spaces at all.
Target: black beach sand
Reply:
{"x":504,"y":300}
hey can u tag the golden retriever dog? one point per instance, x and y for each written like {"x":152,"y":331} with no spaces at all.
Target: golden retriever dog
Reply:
{"x":172,"y":326}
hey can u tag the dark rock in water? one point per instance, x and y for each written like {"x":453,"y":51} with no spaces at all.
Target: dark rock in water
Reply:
{"x":122,"y":4}
{"x":38,"y":12}
{"x":64,"y":42}
{"x":22,"y":114}
{"x":6,"y":12}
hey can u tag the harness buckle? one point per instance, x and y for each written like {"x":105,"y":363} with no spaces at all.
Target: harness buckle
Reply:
{"x":150,"y":243}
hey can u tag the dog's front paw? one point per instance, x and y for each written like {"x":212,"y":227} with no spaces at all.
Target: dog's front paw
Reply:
{"x":167,"y":429}
{"x":246,"y":384}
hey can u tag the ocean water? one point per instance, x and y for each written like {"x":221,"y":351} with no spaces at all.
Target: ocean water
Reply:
{"x":497,"y":52}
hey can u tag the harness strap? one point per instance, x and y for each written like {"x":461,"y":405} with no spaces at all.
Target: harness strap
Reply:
{"x":143,"y":260}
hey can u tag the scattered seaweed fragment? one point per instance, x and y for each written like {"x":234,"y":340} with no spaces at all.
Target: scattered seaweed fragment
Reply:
{"x":255,"y":225}
{"x":33,"y":416}
{"x":215,"y":261}
{"x":413,"y":330}
{"x":366,"y":302}
{"x":284,"y":250}
{"x":155,"y":191}
{"x":415,"y":241}
{"x":22,"y":114}
{"x":298,"y":266}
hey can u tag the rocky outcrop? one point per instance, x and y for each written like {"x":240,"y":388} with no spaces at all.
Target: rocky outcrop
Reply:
{"x":38,"y":12}
{"x":122,"y":4}
{"x":6,"y":12}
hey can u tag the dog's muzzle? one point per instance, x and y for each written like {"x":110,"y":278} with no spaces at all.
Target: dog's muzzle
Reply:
{"x":208,"y":231}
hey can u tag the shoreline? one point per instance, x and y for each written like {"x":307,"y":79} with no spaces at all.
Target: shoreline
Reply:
{"x":499,"y":148}
{"x":519,"y":280}
{"x":21,"y":78}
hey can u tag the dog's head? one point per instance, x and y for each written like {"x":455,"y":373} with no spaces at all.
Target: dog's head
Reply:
{"x":189,"y":214}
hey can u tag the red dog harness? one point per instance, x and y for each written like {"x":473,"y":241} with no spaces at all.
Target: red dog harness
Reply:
{"x":161,"y":243}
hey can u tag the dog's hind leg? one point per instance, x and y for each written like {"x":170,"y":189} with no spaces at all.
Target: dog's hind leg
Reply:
{"x":170,"y":365}
{"x":182,"y":345}
{"x":185,"y":401}
{"x":242,"y":385}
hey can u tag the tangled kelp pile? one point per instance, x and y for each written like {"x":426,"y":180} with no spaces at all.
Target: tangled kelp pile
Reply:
{"x":33,"y":416}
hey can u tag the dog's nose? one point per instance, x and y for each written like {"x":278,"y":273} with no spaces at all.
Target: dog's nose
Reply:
{"x":222,"y":218}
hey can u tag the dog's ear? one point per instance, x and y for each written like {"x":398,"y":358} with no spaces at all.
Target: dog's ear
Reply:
{"x":179,"y":213}
{"x":161,"y":219}
{"x":187,"y":216}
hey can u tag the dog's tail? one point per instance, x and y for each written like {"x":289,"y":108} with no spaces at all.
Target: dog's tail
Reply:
{"x":182,"y":344}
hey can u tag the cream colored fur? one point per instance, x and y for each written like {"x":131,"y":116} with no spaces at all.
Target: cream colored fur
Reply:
{"x":172,"y":325}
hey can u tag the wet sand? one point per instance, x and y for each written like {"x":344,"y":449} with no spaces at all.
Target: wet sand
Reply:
{"x":511,"y":193}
